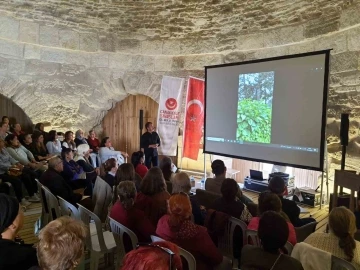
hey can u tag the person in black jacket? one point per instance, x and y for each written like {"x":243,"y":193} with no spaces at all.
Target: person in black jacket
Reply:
{"x":290,"y":208}
{"x":149,"y":143}
{"x":14,"y":254}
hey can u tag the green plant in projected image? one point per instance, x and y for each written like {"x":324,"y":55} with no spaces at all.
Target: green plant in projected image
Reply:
{"x":253,"y":121}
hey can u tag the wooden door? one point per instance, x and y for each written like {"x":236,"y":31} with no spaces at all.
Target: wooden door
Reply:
{"x":121,"y":123}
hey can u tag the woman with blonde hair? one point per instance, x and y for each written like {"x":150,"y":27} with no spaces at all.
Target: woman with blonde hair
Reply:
{"x":124,"y":212}
{"x":61,"y":244}
{"x":340,"y":241}
{"x":153,"y":196}
{"x":178,"y":228}
{"x":181,"y":183}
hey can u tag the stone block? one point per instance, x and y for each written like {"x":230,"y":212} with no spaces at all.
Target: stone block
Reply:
{"x":100,"y":60}
{"x":32,"y":51}
{"x":234,"y":57}
{"x":250,"y":42}
{"x":198,"y":62}
{"x":9,"y":28}
{"x":302,"y":47}
{"x":142,"y":63}
{"x":49,"y":36}
{"x":346,"y":61}
{"x":350,"y":16}
{"x":336,"y":41}
{"x":283,"y":36}
{"x":53,"y":55}
{"x":3,"y":64}
{"x":131,"y":46}
{"x":151,"y":47}
{"x":189,"y":46}
{"x":353,"y":39}
{"x":178,"y":63}
{"x":16,"y":66}
{"x":271,"y":52}
{"x":171,"y":47}
{"x":37,"y":68}
{"x":78,"y":58}
{"x":29,"y":32}
{"x":322,"y":26}
{"x":107,"y":43}
{"x":11,"y":48}
{"x":69,"y":39}
{"x":89,"y":42}
{"x":120,"y":61}
{"x":163,"y":63}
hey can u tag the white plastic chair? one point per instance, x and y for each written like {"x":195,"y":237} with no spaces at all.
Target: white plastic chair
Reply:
{"x":118,"y":231}
{"x":252,"y":238}
{"x":225,"y":242}
{"x":340,"y":264}
{"x":183,"y":253}
{"x":44,"y":218}
{"x":102,"y":242}
{"x":289,"y":248}
{"x":67,"y":209}
{"x":52,"y":204}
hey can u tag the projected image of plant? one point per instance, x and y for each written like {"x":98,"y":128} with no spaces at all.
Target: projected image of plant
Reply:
{"x":255,"y":107}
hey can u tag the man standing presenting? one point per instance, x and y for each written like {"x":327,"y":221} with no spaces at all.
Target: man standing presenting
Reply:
{"x":149,"y":143}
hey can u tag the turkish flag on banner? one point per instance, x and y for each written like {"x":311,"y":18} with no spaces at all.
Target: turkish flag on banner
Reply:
{"x":194,"y":118}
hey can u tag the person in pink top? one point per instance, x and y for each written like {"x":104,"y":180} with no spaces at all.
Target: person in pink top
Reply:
{"x":271,"y":202}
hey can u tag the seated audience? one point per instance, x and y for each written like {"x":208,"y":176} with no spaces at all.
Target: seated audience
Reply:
{"x":124,"y":212}
{"x":165,"y":166}
{"x":61,"y":244}
{"x":228,"y":202}
{"x":10,"y":172}
{"x":178,"y":228}
{"x":126,"y":172}
{"x":17,"y":130}
{"x":74,"y":174}
{"x":290,"y":208}
{"x":54,"y":181}
{"x":69,"y":141}
{"x":40,"y":127}
{"x":340,"y":241}
{"x":273,"y":233}
{"x":53,"y":145}
{"x":14,"y":255}
{"x":83,"y":159}
{"x":153,"y":196}
{"x":38,"y":148}
{"x":111,"y":168}
{"x":26,"y":174}
{"x":181,"y":183}
{"x":93,"y":142}
{"x":26,"y":140}
{"x":106,"y":151}
{"x":214,"y":184}
{"x":271,"y":202}
{"x":155,"y":256}
{"x":79,"y":137}
{"x":137,"y":160}
{"x":3,"y":130}
{"x":5,"y":119}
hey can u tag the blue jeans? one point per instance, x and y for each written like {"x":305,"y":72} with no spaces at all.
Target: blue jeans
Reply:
{"x":151,"y":159}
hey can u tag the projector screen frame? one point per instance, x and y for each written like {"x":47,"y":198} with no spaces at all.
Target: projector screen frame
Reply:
{"x":324,"y":108}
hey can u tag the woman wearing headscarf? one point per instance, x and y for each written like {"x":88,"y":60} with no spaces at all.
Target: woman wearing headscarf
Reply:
{"x":14,"y":254}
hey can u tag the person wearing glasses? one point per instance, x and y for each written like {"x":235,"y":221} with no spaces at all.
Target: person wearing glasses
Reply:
{"x":124,"y":212}
{"x":178,"y":228}
{"x":158,"y":255}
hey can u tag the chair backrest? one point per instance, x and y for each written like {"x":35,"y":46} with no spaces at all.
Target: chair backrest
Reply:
{"x":340,"y":264}
{"x":87,"y":216}
{"x":42,"y":196}
{"x":206,"y":198}
{"x":183,"y":253}
{"x":52,"y":203}
{"x":225,"y":242}
{"x":67,"y":209}
{"x":118,"y":231}
{"x":252,"y":238}
{"x":304,"y":231}
{"x":289,"y":248}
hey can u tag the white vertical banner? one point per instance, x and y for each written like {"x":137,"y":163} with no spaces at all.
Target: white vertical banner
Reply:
{"x":169,"y":114}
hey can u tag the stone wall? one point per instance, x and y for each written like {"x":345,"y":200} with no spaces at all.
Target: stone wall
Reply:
{"x":67,"y":62}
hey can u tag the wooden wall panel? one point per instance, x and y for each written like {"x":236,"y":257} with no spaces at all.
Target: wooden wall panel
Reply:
{"x":121,"y":123}
{"x":15,"y":113}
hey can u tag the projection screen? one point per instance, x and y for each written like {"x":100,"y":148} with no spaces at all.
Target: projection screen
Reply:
{"x":269,"y":110}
